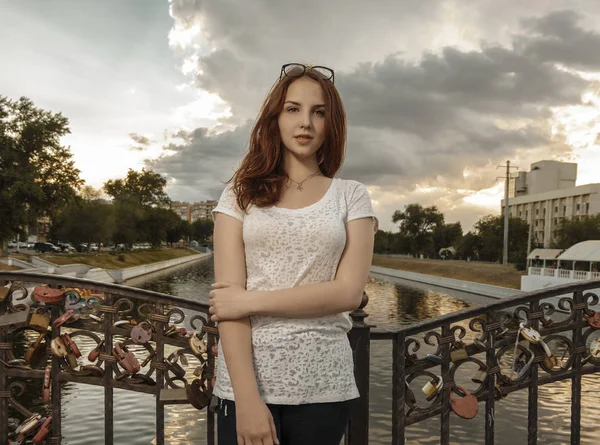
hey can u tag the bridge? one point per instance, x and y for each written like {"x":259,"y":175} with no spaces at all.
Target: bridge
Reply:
{"x":150,"y":343}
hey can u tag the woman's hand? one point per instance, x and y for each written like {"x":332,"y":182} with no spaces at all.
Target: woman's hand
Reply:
{"x":254,"y":423}
{"x":228,"y":302}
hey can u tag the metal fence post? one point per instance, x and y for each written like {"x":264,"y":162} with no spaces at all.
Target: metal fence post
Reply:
{"x":358,"y":425}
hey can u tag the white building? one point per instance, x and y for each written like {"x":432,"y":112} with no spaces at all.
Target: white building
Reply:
{"x":547,"y":194}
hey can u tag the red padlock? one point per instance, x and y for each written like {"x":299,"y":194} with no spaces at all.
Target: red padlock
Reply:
{"x":45,"y":294}
{"x":465,"y":407}
{"x":71,"y":345}
{"x":63,"y":318}
{"x":126,"y":359}
{"x":44,"y":430}
{"x":94,"y":353}
{"x":47,"y":389}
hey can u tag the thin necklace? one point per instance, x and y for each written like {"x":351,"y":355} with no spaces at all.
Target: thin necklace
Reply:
{"x":299,"y":188}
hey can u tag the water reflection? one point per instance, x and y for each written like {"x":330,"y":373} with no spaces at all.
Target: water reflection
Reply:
{"x":390,"y":306}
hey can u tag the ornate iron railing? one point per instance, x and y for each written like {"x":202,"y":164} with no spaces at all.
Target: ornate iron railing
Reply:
{"x":493,"y":339}
{"x":437,"y":350}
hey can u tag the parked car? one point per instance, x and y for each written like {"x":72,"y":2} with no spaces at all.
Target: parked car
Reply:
{"x":66,"y":247}
{"x":46,"y":247}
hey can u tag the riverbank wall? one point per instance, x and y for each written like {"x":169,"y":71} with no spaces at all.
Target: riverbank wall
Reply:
{"x":464,"y":290}
{"x":40,"y":265}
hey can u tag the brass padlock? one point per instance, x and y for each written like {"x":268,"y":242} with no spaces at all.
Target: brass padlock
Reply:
{"x":480,"y":376}
{"x":40,"y":320}
{"x":72,"y":360}
{"x":432,"y":388}
{"x":459,"y":352}
{"x":36,"y":351}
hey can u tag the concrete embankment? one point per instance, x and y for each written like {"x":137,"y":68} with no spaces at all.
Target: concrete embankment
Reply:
{"x":464,"y":290}
{"x":99,"y":274}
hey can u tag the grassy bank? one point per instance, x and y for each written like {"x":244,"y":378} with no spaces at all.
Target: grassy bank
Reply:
{"x":120,"y":260}
{"x":495,"y":274}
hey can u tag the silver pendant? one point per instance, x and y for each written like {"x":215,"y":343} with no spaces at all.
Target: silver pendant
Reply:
{"x":299,"y":188}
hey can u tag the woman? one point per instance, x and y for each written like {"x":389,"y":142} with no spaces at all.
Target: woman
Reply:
{"x":293,"y":248}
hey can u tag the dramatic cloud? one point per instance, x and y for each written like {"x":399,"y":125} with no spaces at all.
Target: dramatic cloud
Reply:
{"x":441,"y":119}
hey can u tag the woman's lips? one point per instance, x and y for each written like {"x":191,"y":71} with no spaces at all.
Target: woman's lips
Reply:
{"x":303,"y":140}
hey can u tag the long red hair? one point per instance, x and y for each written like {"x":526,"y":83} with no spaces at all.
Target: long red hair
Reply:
{"x":261,"y":176}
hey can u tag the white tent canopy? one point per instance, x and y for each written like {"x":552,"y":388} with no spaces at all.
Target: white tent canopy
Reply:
{"x":544,"y":254}
{"x":584,"y":251}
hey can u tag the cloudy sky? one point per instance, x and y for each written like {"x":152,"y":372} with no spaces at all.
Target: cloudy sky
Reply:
{"x":438,"y":92}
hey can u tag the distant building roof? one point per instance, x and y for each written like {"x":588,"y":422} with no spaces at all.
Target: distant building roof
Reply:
{"x":544,"y":254}
{"x":584,"y":251}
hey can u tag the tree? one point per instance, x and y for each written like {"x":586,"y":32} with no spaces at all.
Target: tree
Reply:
{"x":469,"y":246}
{"x":490,"y":229}
{"x":157,"y":222}
{"x":202,"y":229}
{"x":446,"y":235}
{"x":85,"y":221}
{"x":573,"y":231}
{"x":145,"y":188}
{"x":37,"y":174}
{"x":419,"y":223}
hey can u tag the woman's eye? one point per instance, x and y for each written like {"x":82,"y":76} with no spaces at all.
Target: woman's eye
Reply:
{"x":292,"y":109}
{"x":320,"y":113}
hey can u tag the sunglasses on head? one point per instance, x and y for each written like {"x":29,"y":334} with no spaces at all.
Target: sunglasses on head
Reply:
{"x":298,"y":70}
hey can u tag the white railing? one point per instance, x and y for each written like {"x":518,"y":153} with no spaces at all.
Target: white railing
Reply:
{"x":549,"y":272}
{"x":535,"y":270}
{"x":581,"y":275}
{"x":564,"y":273}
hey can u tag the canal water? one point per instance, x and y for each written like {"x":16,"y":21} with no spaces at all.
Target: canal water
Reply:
{"x":390,"y":306}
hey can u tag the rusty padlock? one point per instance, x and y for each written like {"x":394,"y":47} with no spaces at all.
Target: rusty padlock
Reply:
{"x":36,"y":350}
{"x":45,"y":294}
{"x":593,"y":320}
{"x":40,"y":319}
{"x":94,"y":353}
{"x":43,"y":431}
{"x":142,"y":333}
{"x":47,"y":388}
{"x":465,"y":407}
{"x":14,"y":320}
{"x":126,"y":358}
{"x":175,"y":367}
{"x":71,"y":345}
{"x":30,"y":432}
{"x":198,"y":394}
{"x":459,"y":351}
{"x":63,"y":318}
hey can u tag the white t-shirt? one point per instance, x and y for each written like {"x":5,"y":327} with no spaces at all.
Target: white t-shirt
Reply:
{"x":305,"y":360}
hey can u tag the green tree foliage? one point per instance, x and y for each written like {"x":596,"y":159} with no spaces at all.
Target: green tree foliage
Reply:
{"x":180,"y":230}
{"x":129,"y":216}
{"x":202,"y":230}
{"x":158,"y":222}
{"x":84,"y":221}
{"x":396,"y":243}
{"x":418,"y":223}
{"x":573,"y":231}
{"x":37,"y":173}
{"x":446,"y":235}
{"x":490,"y":230}
{"x":145,"y":188}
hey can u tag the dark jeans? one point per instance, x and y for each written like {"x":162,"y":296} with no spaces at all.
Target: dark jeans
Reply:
{"x":308,"y":424}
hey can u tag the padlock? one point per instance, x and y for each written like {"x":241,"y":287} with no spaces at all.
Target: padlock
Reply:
{"x":36,"y":350}
{"x":175,"y":367}
{"x":198,"y":394}
{"x":99,"y":319}
{"x":198,"y":345}
{"x":126,"y":358}
{"x":63,"y":318}
{"x":72,"y":360}
{"x":4,"y":291}
{"x":459,"y":352}
{"x":14,"y":320}
{"x":59,"y":349}
{"x":550,"y":362}
{"x":71,"y":345}
{"x":594,"y":351}
{"x":593,"y":320}
{"x":128,"y":322}
{"x":198,"y":370}
{"x":28,"y":424}
{"x":182,"y":358}
{"x":434,"y":358}
{"x":44,"y":430}
{"x":531,"y":335}
{"x":432,"y":388}
{"x":93,"y":370}
{"x":40,"y":320}
{"x":94,"y":353}
{"x":30,"y":432}
{"x":47,"y":388}
{"x":45,"y":294}
{"x":480,"y":376}
{"x":142,"y":333}
{"x":465,"y":407}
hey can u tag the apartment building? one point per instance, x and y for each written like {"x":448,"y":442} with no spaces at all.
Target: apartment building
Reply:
{"x":192,"y":212}
{"x":182,"y":209}
{"x":547,"y":194}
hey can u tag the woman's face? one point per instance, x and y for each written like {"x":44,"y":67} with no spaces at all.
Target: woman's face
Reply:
{"x":302,"y":119}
